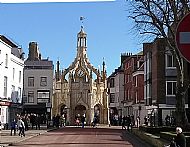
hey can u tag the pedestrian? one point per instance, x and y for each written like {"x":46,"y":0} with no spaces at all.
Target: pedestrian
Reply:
{"x":32,"y":120}
{"x":128,"y":122}
{"x":83,"y":121}
{"x":167,"y":120}
{"x":120,"y":120}
{"x":57,"y":120}
{"x":179,"y":140}
{"x":95,"y":121}
{"x":62,"y":120}
{"x":54,"y":120}
{"x":116,"y":118}
{"x":21,"y":127}
{"x":146,"y":120}
{"x":123,"y":123}
{"x":37,"y":121}
{"x":77,"y":122}
{"x":13,"y":127}
{"x":138,"y":121}
{"x":25,"y":123}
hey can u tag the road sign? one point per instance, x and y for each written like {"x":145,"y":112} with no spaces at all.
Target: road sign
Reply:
{"x":183,"y":37}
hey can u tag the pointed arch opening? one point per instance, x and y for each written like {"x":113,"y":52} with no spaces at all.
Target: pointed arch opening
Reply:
{"x":97,"y":112}
{"x":80,"y":110}
{"x":63,"y":111}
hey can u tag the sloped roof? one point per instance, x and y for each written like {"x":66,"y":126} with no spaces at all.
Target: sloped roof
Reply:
{"x":8,"y":41}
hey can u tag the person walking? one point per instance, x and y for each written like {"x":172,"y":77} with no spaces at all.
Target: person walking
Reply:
{"x":57,"y":121}
{"x":38,"y":121}
{"x":123,"y":123}
{"x":77,"y":122}
{"x":21,"y":127}
{"x":82,"y":121}
{"x":95,"y":121}
{"x":179,"y":140}
{"x":128,"y":122}
{"x":32,"y":120}
{"x":62,"y":120}
{"x":13,"y":127}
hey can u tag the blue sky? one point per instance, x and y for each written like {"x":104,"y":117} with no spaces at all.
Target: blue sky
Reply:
{"x":55,"y":26}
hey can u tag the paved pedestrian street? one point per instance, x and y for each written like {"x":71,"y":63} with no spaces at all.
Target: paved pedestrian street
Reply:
{"x":78,"y":137}
{"x":6,"y":139}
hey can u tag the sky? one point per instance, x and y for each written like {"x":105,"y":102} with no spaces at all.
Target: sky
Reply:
{"x":54,"y":26}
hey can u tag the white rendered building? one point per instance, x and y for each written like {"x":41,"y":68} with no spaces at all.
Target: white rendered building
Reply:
{"x":11,"y":79}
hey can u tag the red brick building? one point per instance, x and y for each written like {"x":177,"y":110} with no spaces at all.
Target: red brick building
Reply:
{"x":159,"y":81}
{"x":134,"y":85}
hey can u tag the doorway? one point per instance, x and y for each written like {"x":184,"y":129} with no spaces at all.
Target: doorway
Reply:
{"x":97,"y":112}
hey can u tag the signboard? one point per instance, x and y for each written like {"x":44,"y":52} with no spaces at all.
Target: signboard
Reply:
{"x":43,"y":100}
{"x":183,"y":37}
{"x":5,"y":103}
{"x":48,"y":105}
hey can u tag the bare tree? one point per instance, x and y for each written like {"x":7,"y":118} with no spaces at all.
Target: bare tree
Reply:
{"x":159,"y":19}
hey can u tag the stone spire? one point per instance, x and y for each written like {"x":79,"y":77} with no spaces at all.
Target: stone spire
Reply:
{"x":57,"y":74}
{"x":81,"y":60}
{"x":103,"y":70}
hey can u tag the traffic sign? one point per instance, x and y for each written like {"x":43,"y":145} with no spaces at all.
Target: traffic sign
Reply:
{"x":183,"y":37}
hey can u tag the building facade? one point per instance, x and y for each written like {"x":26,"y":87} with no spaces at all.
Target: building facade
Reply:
{"x":81,"y":89}
{"x":160,"y":81}
{"x":38,"y":83}
{"x":134,"y":86}
{"x":11,"y":79}
{"x":116,"y":92}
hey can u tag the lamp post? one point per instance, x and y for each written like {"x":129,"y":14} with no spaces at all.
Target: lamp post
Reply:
{"x":140,"y":107}
{"x":0,"y":115}
{"x":48,"y":107}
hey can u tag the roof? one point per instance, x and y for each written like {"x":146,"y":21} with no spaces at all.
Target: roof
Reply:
{"x":81,"y":33}
{"x":140,"y":53}
{"x":8,"y":41}
{"x":117,"y":70}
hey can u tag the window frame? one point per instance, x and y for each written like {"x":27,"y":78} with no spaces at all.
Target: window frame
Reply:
{"x":112,"y":97}
{"x":20,"y":76}
{"x":6,"y":61}
{"x":43,"y":83}
{"x":5,"y":86}
{"x":13,"y":73}
{"x":30,"y":81}
{"x":168,"y":55}
{"x":30,"y":98}
{"x":112,"y":82}
{"x":173,"y":89}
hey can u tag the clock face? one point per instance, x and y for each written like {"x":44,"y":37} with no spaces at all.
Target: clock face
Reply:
{"x":80,"y":73}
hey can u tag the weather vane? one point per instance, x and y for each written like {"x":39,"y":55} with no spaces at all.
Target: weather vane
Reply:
{"x":82,"y":20}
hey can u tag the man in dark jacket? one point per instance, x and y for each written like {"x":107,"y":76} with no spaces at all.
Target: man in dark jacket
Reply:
{"x":38,"y":121}
{"x":83,"y":121}
{"x":13,"y":127}
{"x":180,"y":138}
